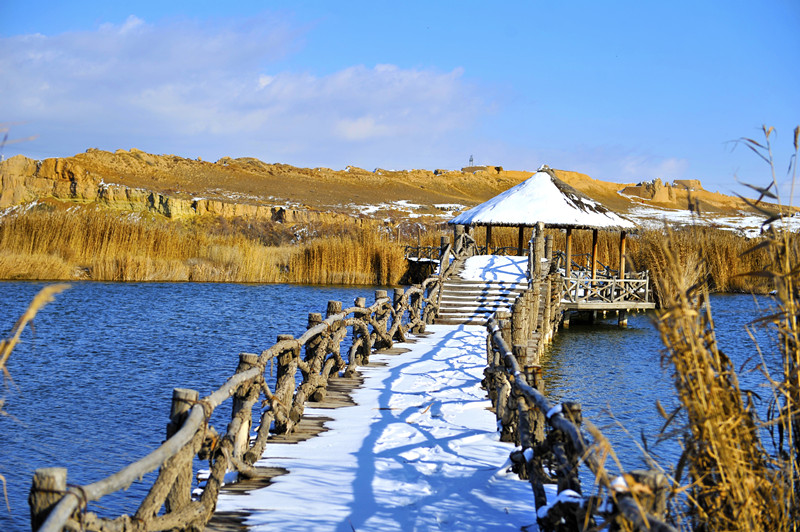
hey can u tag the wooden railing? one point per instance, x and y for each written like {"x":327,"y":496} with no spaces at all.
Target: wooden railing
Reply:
{"x":55,"y":506}
{"x":552,"y":444}
{"x":580,"y":288}
{"x":430,"y":253}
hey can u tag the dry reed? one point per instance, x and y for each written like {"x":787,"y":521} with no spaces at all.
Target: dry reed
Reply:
{"x":735,"y":484}
{"x":87,"y":243}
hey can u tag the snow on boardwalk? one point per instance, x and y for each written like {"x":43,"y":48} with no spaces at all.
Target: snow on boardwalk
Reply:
{"x":495,"y":268}
{"x":418,"y":451}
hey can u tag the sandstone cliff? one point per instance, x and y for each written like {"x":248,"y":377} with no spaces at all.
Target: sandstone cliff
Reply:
{"x":178,"y":188}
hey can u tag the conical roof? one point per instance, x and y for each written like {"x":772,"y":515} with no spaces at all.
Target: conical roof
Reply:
{"x":543,"y":198}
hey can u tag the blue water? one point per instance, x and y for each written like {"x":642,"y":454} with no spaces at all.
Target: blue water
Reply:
{"x":93,"y":379}
{"x":617,"y":375}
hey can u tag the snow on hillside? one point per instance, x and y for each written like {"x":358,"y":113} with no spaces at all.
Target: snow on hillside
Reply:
{"x":746,"y":223}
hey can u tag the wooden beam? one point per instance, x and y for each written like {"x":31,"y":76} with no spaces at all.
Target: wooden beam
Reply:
{"x":568,"y":267}
{"x":622,"y":238}
{"x":488,"y":239}
{"x":594,"y":254}
{"x":520,"y":240}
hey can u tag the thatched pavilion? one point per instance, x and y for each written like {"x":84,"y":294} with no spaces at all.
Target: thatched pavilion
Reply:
{"x":545,"y":198}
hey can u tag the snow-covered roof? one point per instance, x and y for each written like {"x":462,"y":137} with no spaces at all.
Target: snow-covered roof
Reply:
{"x":543,"y":198}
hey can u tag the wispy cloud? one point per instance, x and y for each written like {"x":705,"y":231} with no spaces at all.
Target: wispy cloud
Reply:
{"x":203,"y":88}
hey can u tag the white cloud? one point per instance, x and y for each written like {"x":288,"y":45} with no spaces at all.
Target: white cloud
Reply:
{"x":210,"y":88}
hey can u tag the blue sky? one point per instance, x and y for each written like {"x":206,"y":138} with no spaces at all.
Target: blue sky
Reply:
{"x":622,"y":91}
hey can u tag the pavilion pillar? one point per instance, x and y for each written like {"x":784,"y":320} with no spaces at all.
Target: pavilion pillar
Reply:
{"x":622,"y":238}
{"x":520,"y":240}
{"x":568,"y":251}
{"x":488,"y":239}
{"x":594,"y":254}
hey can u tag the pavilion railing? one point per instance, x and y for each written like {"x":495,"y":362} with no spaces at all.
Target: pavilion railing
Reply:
{"x":634,"y":288}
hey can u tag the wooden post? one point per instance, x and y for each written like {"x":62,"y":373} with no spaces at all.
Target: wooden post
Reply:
{"x":521,"y":240}
{"x":458,"y":240}
{"x":285,"y":384}
{"x":520,"y":352}
{"x":622,"y":239}
{"x":548,"y":251}
{"x":622,"y":319}
{"x":540,"y":247}
{"x":531,"y":252}
{"x":488,"y":239}
{"x":181,"y":493}
{"x":503,"y":318}
{"x":568,"y":251}
{"x":241,"y":441}
{"x":594,"y":254}
{"x":334,"y":308}
{"x":547,"y":329}
{"x":381,"y":320}
{"x":49,"y":485}
{"x":314,"y":346}
{"x":535,"y":379}
{"x":338,"y":331}
{"x":399,"y":311}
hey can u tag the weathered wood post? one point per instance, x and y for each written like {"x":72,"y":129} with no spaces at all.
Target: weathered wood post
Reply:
{"x":181,"y":493}
{"x":547,"y":311}
{"x":531,"y":261}
{"x":503,"y":318}
{"x":622,"y":319}
{"x":568,"y":474}
{"x":539,"y":230}
{"x":548,"y":251}
{"x":381,"y":321}
{"x":338,"y":332}
{"x":595,"y":233}
{"x":535,"y":378}
{"x":49,"y":485}
{"x":622,"y":238}
{"x":443,"y":243}
{"x":314,"y":347}
{"x":458,"y":238}
{"x":568,"y":251}
{"x":519,"y":318}
{"x":362,"y":357}
{"x":284,"y":386}
{"x":521,"y":241}
{"x":488,"y":239}
{"x":241,"y":441}
{"x":399,"y":311}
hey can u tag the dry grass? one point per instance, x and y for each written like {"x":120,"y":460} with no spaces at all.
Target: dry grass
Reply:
{"x":734,"y":483}
{"x":88,"y":243}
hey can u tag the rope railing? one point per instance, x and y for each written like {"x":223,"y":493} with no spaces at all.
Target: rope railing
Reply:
{"x":551,"y":441}
{"x":57,"y":507}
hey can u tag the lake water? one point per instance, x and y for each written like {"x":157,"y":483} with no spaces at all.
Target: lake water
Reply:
{"x":617,"y":375}
{"x":94,"y":378}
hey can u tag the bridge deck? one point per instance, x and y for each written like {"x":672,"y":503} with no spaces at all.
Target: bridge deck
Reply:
{"x":418,"y":449}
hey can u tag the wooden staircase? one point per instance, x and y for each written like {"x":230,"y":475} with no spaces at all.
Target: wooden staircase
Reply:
{"x":473,"y":302}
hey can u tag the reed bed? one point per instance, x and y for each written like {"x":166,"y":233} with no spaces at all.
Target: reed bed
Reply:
{"x":734,"y":483}
{"x":743,"y":472}
{"x":88,"y":243}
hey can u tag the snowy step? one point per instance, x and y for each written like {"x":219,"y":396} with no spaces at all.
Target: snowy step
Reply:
{"x":484,"y":284}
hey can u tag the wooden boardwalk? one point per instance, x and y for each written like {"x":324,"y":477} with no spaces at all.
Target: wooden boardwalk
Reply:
{"x":340,"y":394}
{"x":430,"y":456}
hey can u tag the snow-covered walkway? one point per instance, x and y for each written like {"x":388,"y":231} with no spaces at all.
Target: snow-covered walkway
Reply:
{"x":419,"y":451}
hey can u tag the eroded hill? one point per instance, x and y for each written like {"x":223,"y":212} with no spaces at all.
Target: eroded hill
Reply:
{"x":177,"y":187}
